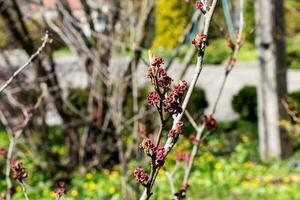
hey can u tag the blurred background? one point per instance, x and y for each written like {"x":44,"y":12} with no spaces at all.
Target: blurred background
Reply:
{"x":93,"y":115}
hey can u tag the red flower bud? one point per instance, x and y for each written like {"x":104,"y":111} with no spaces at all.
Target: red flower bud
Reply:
{"x":141,"y":175}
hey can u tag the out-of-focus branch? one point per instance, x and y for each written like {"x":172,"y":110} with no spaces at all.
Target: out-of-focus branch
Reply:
{"x":233,"y":55}
{"x":170,"y":176}
{"x":290,"y":112}
{"x":195,"y":18}
{"x":171,"y":141}
{"x":15,"y":134}
{"x":23,"y":67}
{"x":201,"y":128}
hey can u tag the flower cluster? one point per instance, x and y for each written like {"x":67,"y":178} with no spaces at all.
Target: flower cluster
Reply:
{"x":60,"y":190}
{"x":194,"y":140}
{"x":199,"y":5}
{"x":158,"y":75}
{"x":200,"y":41}
{"x":140,"y":175}
{"x":19,"y":172}
{"x":148,"y":147}
{"x":179,"y":127}
{"x":183,"y":157}
{"x":210,"y":122}
{"x":164,"y":94}
{"x":172,"y":102}
{"x":177,"y":131}
{"x":157,"y":154}
{"x":153,"y":98}
{"x":160,"y":156}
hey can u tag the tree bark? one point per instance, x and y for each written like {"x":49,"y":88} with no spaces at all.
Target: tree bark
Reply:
{"x":272,"y":88}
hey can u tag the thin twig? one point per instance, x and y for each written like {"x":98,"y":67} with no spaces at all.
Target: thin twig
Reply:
{"x":170,"y":176}
{"x":171,"y":141}
{"x":23,"y":67}
{"x":200,"y":129}
{"x":14,"y":135}
{"x":233,"y":55}
{"x":24,"y":189}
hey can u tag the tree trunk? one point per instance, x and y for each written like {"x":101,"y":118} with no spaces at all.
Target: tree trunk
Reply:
{"x":272,"y":88}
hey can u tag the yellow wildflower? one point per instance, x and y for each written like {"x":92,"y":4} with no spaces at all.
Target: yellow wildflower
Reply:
{"x":255,"y":182}
{"x":247,"y":165}
{"x":286,"y":180}
{"x":218,"y":166}
{"x":267,"y":178}
{"x":91,"y":185}
{"x":19,"y":188}
{"x":74,"y":193}
{"x":113,"y":175}
{"x":89,"y":176}
{"x":210,"y":157}
{"x":111,"y":190}
{"x":245,"y":183}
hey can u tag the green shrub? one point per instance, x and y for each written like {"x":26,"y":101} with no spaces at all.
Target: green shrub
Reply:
{"x":216,"y":52}
{"x":198,"y":102}
{"x":245,"y":103}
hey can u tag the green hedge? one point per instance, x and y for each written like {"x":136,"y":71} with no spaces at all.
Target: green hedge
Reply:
{"x":245,"y":103}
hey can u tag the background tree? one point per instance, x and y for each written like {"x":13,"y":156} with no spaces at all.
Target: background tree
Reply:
{"x":270,"y":26}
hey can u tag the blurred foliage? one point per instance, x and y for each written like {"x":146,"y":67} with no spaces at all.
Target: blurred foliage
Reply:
{"x":172,"y":17}
{"x":293,"y":51}
{"x":79,"y":97}
{"x":216,"y":52}
{"x":295,"y":96}
{"x":292,"y":16}
{"x":198,"y":102}
{"x":292,"y":125}
{"x":245,"y":103}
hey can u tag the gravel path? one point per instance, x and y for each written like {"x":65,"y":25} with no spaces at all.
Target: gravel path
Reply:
{"x":210,"y":80}
{"x":72,"y":74}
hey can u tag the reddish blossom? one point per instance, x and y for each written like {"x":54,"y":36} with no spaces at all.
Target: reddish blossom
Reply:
{"x":142,"y":129}
{"x":194,"y":140}
{"x":172,"y":133}
{"x":200,"y":41}
{"x":156,"y":73}
{"x":210,"y":122}
{"x":153,"y":98}
{"x":160,"y":155}
{"x":19,"y":172}
{"x":183,"y":157}
{"x":148,"y":146}
{"x":164,"y":82}
{"x":60,"y":190}
{"x":140,"y":175}
{"x":181,"y":88}
{"x":199,"y":5}
{"x":172,"y":104}
{"x":180,"y":127}
{"x":157,"y":61}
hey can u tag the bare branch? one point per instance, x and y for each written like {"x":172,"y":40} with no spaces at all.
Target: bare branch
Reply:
{"x":23,"y":67}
